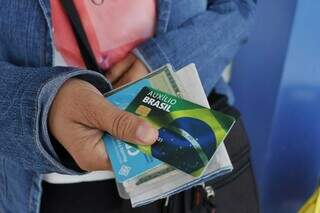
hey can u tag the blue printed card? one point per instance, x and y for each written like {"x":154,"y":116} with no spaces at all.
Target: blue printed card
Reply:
{"x":127,"y":161}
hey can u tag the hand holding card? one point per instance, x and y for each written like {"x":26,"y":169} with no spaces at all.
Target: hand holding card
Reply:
{"x":188,"y":133}
{"x":189,"y":150}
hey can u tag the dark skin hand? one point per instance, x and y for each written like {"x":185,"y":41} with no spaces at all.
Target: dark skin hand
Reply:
{"x":80,"y":115}
{"x":128,"y":70}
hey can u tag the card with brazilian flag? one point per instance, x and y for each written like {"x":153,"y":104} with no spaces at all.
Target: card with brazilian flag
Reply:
{"x":188,"y":133}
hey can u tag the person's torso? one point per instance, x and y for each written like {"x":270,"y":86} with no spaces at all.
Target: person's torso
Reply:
{"x":110,"y":34}
{"x":111,"y":28}
{"x":26,"y":40}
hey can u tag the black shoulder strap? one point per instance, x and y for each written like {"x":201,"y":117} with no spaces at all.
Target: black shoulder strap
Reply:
{"x":82,"y":40}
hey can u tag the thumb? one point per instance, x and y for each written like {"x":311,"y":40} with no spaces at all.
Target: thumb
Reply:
{"x":125,"y":126}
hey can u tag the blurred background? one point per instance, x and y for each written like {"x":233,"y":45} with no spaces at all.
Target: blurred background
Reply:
{"x":276,"y":80}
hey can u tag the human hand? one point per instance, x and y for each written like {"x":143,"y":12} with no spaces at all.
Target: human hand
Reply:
{"x":80,"y":115}
{"x":128,"y":70}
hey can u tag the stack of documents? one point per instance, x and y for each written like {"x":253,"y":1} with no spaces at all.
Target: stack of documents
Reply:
{"x":190,"y":148}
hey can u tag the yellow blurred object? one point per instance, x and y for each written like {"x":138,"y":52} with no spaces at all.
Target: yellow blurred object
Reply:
{"x":313,"y":204}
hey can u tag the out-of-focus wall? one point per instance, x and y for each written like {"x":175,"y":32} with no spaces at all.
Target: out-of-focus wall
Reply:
{"x":276,"y":80}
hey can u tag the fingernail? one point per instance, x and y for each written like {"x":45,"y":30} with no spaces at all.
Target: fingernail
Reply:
{"x":147,"y":134}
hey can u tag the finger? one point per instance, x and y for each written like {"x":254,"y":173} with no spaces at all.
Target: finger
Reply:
{"x":115,"y":72}
{"x":93,"y":157}
{"x":100,"y":157}
{"x":136,"y":72}
{"x":88,"y":151}
{"x":124,"y":125}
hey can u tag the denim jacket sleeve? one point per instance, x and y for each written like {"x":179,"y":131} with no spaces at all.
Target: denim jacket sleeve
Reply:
{"x":26,"y":95}
{"x":209,"y":39}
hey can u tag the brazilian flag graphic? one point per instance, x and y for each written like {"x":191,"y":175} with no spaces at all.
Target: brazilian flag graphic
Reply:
{"x":188,"y":133}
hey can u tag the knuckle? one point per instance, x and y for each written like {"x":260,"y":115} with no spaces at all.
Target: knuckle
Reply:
{"x":83,"y":163}
{"x":86,"y":167}
{"x":122,"y":125}
{"x":103,"y":158}
{"x":90,"y":115}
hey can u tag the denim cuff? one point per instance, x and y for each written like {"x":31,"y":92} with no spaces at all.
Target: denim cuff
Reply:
{"x":45,"y":99}
{"x":151,"y":54}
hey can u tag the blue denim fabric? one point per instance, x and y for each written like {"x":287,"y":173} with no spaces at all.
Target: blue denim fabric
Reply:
{"x":207,"y":33}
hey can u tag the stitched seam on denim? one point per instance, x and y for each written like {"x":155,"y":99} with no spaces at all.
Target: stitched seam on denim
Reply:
{"x":239,"y":32}
{"x":5,"y":181}
{"x":48,"y":21}
{"x":161,"y":50}
{"x":26,"y":79}
{"x":168,"y":16}
{"x":30,"y":197}
{"x":230,"y":44}
{"x":32,"y":194}
{"x":163,"y":16}
{"x":27,"y":45}
{"x":4,"y":176}
{"x":40,"y":193}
